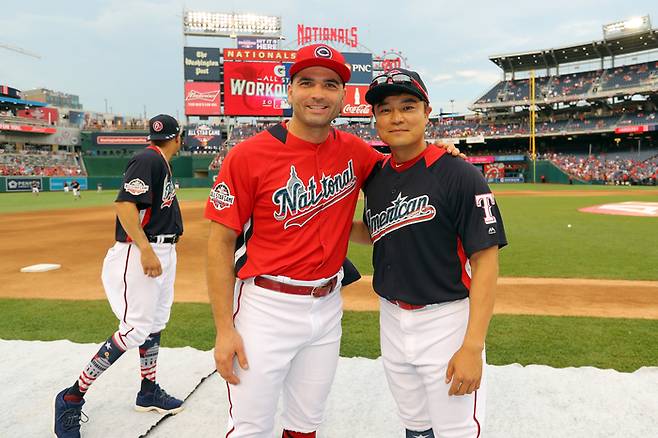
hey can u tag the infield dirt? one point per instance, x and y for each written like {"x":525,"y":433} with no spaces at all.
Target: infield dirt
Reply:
{"x":79,"y":239}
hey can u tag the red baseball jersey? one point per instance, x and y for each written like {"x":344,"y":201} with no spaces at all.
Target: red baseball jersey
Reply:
{"x":292,"y":202}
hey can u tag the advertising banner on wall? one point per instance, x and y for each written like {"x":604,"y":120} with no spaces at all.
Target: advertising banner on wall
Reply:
{"x":202,"y":98}
{"x":361,"y":66}
{"x":22,"y":184}
{"x":256,"y":88}
{"x":354,"y":103}
{"x":258,"y":43}
{"x":114,"y":139}
{"x":202,"y":138}
{"x":201,"y":64}
{"x":57,"y":183}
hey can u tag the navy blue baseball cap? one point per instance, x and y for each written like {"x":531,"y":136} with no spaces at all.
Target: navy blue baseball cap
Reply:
{"x":163,"y":127}
{"x":396,"y":81}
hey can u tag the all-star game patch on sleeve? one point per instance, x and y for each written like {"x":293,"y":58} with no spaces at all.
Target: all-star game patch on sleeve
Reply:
{"x":137,"y":184}
{"x":478,"y":219}
{"x":231,"y":199}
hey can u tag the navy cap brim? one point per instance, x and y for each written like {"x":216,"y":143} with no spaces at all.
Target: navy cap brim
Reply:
{"x":160,"y":137}
{"x":379,"y":92}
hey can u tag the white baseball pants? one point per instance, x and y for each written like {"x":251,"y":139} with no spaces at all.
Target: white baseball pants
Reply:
{"x":141,"y":303}
{"x":416,"y":348}
{"x":292,"y":344}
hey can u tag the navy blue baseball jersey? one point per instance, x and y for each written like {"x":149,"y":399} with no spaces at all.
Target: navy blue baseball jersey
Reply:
{"x":426,"y":217}
{"x":147,"y":182}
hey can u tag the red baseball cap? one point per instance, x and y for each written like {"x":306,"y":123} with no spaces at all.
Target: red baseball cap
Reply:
{"x":321,"y":55}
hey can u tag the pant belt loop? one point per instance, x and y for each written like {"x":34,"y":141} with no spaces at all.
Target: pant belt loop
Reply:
{"x":160,"y":239}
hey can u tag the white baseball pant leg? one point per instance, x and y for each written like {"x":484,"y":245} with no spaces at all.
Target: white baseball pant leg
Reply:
{"x":416,"y":348}
{"x":142,"y":304}
{"x":292,"y":344}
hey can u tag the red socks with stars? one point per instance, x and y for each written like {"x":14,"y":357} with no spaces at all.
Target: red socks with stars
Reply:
{"x":148,"y":360}
{"x":106,"y":356}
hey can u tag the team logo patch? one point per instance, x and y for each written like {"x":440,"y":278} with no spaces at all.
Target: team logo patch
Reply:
{"x":220,"y":197}
{"x":157,"y":126}
{"x":323,"y":52}
{"x":168,"y":193}
{"x":486,"y":201}
{"x":136,"y":187}
{"x":492,"y":230}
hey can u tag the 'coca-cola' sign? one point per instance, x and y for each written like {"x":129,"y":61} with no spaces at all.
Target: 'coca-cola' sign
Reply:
{"x":354,"y":104}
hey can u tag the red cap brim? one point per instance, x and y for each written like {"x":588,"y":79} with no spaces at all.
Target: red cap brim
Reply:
{"x":341,"y":69}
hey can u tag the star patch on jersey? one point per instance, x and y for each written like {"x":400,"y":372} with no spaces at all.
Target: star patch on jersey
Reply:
{"x":220,"y":196}
{"x":136,"y":187}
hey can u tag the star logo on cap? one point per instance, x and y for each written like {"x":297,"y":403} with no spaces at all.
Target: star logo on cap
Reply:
{"x":323,"y":52}
{"x":157,"y":126}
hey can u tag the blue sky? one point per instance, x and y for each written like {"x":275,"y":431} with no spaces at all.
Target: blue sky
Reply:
{"x":130,"y":52}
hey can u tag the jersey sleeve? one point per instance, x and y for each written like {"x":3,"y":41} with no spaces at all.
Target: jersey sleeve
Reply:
{"x":478,"y":219}
{"x":137,"y":184}
{"x":231,"y":199}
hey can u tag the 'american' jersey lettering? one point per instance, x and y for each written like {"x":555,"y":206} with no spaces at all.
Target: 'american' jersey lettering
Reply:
{"x":148,"y":184}
{"x":292,"y":202}
{"x":426,"y":218}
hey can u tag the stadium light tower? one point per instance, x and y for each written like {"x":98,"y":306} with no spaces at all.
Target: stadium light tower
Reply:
{"x":627,"y":27}
{"x":218,"y":24}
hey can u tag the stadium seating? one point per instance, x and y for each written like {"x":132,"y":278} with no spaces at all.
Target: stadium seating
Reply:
{"x":573,"y":85}
{"x":617,"y":169}
{"x":40,"y":164}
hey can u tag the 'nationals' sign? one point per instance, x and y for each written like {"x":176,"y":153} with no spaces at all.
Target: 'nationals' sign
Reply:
{"x":255,"y":88}
{"x":259,"y":55}
{"x":309,"y":34}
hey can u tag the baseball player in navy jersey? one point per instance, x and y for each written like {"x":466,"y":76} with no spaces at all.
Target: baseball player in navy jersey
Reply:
{"x":436,"y":231}
{"x":138,"y":277}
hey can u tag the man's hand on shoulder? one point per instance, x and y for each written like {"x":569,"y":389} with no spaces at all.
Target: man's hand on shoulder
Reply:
{"x":451,"y":149}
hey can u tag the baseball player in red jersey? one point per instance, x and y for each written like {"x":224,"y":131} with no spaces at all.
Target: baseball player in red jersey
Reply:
{"x":281,"y":212}
{"x":436,"y":230}
{"x":138,"y":277}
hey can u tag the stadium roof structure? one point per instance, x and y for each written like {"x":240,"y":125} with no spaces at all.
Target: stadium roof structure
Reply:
{"x":21,"y":102}
{"x":554,"y":57}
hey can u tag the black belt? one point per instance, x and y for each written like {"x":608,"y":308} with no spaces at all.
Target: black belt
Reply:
{"x":163,"y":239}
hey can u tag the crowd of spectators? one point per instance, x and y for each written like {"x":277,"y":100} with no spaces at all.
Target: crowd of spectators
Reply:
{"x":556,"y":123}
{"x":573,"y":84}
{"x":607,"y":169}
{"x":39,"y":163}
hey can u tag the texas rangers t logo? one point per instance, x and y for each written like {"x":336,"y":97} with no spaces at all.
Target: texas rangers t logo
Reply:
{"x":485,"y":202}
{"x":299,"y":203}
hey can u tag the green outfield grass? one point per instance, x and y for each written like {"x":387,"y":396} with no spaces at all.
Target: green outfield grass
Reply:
{"x":20,"y":202}
{"x":542,"y":245}
{"x":621,"y":344}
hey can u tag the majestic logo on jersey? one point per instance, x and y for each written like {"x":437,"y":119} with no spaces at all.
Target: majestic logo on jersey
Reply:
{"x":136,"y":187}
{"x":220,"y":197}
{"x":168,"y":193}
{"x":485,"y":202}
{"x":402,"y":212}
{"x":299,"y":203}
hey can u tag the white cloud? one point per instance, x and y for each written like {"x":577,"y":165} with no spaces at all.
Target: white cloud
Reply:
{"x":441,"y":77}
{"x":478,"y":76}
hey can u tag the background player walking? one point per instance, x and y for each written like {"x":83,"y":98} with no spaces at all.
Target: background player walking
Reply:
{"x":436,"y":230}
{"x":138,"y":277}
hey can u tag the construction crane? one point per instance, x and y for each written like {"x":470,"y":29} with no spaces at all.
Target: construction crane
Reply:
{"x":19,"y":50}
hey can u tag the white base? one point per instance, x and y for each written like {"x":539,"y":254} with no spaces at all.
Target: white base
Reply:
{"x":41,"y":267}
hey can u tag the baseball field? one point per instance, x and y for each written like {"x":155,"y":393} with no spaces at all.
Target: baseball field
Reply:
{"x":575,"y":289}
